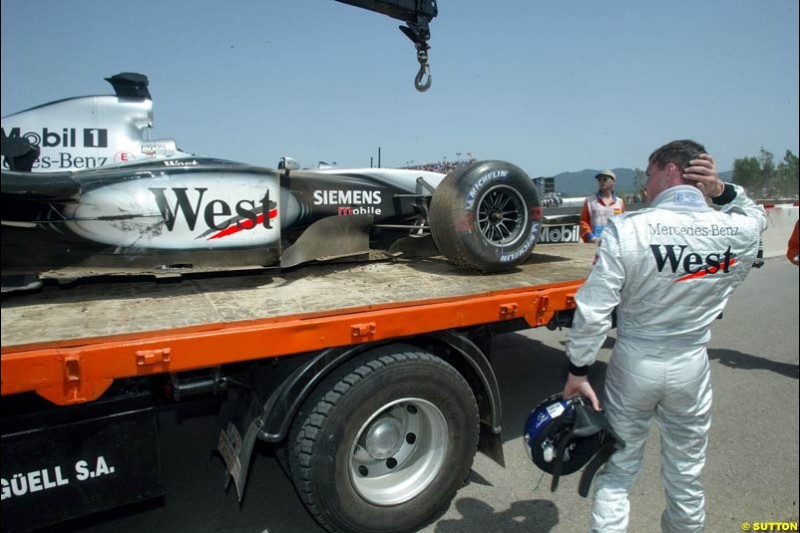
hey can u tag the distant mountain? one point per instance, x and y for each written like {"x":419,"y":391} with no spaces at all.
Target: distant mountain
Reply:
{"x":582,"y":183}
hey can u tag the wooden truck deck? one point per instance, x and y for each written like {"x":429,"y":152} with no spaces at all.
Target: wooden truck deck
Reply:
{"x":69,"y":343}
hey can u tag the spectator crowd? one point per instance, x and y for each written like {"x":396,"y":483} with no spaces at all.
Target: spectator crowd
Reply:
{"x":442,"y":167}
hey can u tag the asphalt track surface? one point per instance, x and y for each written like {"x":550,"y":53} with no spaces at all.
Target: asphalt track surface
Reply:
{"x":751,"y":475}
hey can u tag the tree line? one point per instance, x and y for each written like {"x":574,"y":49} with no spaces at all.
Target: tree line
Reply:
{"x":759,"y":175}
{"x":765,"y":179}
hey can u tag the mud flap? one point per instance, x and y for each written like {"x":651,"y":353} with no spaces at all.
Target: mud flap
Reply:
{"x":330,"y":238}
{"x":239,"y":425}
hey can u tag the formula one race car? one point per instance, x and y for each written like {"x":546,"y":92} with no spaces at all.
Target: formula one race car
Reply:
{"x":85,"y":193}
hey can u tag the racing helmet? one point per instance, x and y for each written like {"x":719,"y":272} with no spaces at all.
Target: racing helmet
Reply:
{"x":562,"y":436}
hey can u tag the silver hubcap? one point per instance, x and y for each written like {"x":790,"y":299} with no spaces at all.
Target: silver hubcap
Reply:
{"x":502,"y":215}
{"x":398,"y":451}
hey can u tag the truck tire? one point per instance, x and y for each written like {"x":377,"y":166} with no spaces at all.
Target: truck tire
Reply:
{"x":384,"y":443}
{"x":486,"y":216}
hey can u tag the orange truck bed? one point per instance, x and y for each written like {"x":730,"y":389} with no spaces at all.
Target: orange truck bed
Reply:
{"x":69,"y":343}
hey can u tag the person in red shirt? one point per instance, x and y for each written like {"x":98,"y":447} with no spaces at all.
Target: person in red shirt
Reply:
{"x":792,"y":248}
{"x":598,"y":207}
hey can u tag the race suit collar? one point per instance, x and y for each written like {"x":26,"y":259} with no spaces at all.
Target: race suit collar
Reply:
{"x":681,"y":197}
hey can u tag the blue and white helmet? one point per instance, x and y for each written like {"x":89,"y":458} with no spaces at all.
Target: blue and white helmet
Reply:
{"x":562,"y":436}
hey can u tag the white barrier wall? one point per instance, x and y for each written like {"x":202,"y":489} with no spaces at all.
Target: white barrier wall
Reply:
{"x":780,"y":223}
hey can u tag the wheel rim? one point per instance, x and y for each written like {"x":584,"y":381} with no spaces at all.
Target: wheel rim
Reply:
{"x":502,"y":215}
{"x":398,"y":451}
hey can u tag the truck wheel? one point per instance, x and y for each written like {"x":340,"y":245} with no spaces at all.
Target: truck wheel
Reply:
{"x":385,"y":442}
{"x":486,"y":216}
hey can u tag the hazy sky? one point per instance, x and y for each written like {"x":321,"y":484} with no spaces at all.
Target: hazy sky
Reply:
{"x":550,"y":86}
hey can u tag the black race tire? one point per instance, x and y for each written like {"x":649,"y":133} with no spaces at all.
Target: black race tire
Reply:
{"x":486,"y":216}
{"x":384,"y":443}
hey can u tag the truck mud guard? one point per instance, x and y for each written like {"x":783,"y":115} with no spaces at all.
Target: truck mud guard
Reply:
{"x":244,"y":419}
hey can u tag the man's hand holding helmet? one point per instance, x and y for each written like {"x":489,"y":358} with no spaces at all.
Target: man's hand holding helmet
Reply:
{"x":580,"y":386}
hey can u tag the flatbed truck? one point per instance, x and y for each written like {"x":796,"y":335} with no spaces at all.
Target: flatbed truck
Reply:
{"x":373,"y":381}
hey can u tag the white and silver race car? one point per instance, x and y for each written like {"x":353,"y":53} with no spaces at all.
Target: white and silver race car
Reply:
{"x":85,"y":191}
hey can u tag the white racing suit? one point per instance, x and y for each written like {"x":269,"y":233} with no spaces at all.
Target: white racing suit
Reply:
{"x":669,"y":271}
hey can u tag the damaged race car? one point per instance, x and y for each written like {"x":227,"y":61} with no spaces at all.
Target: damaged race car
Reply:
{"x":86,"y":193}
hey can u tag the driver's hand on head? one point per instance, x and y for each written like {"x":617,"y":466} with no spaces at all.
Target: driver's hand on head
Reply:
{"x":703,"y":171}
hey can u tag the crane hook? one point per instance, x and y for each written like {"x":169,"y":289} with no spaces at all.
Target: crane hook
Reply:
{"x":424,"y":72}
{"x":419,"y":34}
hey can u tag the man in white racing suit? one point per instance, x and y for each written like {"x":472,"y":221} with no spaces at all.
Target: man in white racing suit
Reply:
{"x":668,"y":270}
